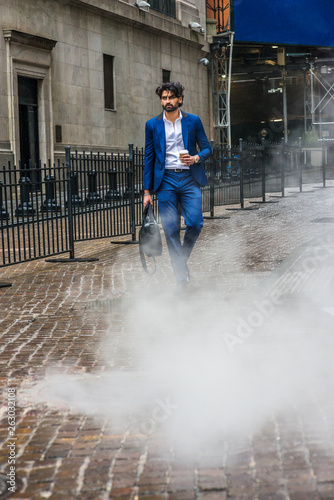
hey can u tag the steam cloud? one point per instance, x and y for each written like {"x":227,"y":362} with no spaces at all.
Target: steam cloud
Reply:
{"x":204,"y":367}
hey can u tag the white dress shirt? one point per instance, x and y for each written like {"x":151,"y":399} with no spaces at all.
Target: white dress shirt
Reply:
{"x":174,"y":143}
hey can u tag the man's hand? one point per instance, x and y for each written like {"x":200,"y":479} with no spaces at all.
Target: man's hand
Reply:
{"x":188,"y":160}
{"x":147,"y":199}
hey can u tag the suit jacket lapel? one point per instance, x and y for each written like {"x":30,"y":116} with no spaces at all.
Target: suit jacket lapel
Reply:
{"x":184,"y":123}
{"x":161,"y":133}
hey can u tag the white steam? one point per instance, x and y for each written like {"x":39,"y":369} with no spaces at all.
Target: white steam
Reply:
{"x":205,"y":367}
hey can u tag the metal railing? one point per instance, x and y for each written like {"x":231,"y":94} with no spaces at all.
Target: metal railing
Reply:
{"x":93,"y":196}
{"x":250,"y":171}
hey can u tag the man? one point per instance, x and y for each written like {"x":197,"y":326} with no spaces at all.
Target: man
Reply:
{"x":176,"y":183}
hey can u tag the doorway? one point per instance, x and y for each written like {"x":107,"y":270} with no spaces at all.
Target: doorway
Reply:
{"x":28,"y":125}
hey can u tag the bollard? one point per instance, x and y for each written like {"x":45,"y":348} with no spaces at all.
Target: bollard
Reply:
{"x":25,"y":208}
{"x":76,"y":199}
{"x":112,"y":193}
{"x":130,"y":186}
{"x":93,"y":196}
{"x":50,"y":203}
{"x":4,"y":215}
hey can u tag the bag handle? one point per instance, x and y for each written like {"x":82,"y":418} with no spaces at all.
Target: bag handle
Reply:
{"x":148,"y":211}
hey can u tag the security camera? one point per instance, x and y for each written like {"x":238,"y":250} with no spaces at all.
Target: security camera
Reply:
{"x":205,"y":61}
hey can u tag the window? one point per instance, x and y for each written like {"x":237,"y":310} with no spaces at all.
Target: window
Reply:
{"x":108,"y":73}
{"x":165,"y":76}
{"x":167,"y":7}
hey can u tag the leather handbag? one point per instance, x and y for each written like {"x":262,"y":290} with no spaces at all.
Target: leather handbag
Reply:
{"x":150,"y":242}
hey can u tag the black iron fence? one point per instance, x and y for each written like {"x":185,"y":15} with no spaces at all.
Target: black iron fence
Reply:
{"x":45,"y":209}
{"x":251,"y":171}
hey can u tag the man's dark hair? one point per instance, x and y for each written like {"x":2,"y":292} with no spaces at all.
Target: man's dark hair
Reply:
{"x":174,"y":87}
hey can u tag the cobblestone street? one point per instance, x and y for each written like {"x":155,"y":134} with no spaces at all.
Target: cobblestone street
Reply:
{"x":126,"y":389}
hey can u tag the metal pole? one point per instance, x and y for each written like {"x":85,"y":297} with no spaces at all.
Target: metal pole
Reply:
{"x":283,"y":167}
{"x":305,"y":104}
{"x":241,"y":176}
{"x":263,"y":171}
{"x":69,"y":201}
{"x":285,"y":107}
{"x":132,"y":193}
{"x":312,"y":95}
{"x":229,"y":91}
{"x":300,"y":164}
{"x":323,"y":161}
{"x":212,"y":186}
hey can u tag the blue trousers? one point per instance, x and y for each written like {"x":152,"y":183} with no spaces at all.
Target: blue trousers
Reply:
{"x":179,"y":189}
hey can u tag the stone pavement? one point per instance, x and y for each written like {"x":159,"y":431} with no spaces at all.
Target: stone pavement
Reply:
{"x":115,"y":386}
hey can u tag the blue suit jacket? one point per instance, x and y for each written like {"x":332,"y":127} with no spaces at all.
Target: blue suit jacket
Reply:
{"x":155,"y":149}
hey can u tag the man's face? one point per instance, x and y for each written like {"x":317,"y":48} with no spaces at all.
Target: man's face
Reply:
{"x":169,"y":102}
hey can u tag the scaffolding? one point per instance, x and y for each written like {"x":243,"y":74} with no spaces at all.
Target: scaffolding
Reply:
{"x":221,"y":90}
{"x":318,"y":78}
{"x":321,"y":102}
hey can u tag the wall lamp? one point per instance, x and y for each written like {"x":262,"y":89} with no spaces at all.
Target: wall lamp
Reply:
{"x":204,"y":60}
{"x":142,"y":5}
{"x":194,"y":25}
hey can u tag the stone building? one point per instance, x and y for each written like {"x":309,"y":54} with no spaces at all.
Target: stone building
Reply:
{"x":83,"y":72}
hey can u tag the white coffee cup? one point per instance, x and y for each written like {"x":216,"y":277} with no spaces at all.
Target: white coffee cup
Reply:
{"x":183,"y":152}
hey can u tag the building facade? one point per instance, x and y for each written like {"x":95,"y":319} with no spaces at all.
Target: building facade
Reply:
{"x":84,"y":72}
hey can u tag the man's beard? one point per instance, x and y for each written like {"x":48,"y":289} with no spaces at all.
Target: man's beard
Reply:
{"x":169,"y":108}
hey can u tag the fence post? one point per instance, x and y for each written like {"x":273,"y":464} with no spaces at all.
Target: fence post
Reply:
{"x":300,"y":164}
{"x":323,"y":162}
{"x":132,"y":192}
{"x":69,"y":201}
{"x":212,"y":180}
{"x":212,"y":170}
{"x":284,"y":155}
{"x":263,"y":170}
{"x":69,"y":205}
{"x":4,"y":215}
{"x":241,"y":175}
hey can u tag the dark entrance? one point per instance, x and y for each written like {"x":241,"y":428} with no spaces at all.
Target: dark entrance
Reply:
{"x":28,"y":123}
